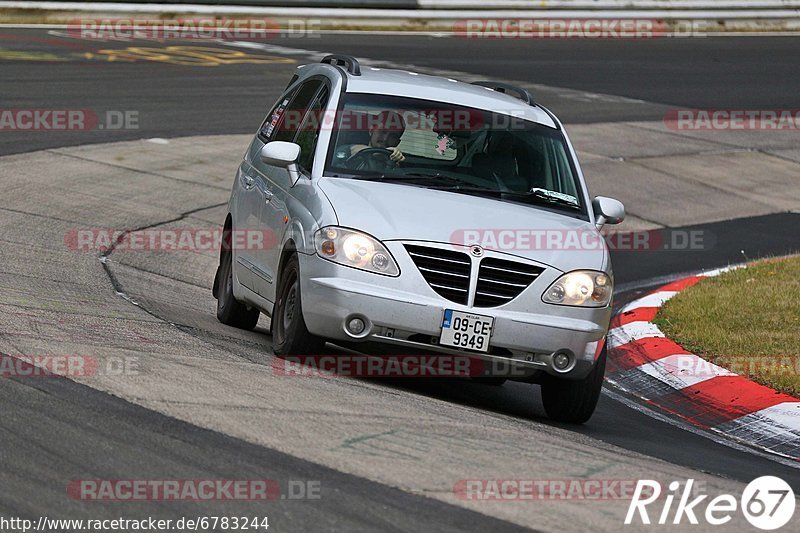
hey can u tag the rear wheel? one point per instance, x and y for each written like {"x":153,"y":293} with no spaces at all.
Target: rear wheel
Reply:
{"x":289,"y":333}
{"x":574,"y":401}
{"x":229,"y":310}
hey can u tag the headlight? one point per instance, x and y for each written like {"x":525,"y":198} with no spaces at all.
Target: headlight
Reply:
{"x":355,"y":249}
{"x":585,"y":288}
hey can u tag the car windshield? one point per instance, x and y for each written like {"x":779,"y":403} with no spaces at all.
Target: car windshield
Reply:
{"x":450,"y":147}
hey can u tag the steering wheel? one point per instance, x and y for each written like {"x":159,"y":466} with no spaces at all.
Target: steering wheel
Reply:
{"x":366,"y":159}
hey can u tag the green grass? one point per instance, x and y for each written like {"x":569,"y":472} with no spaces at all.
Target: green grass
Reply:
{"x":746,"y":320}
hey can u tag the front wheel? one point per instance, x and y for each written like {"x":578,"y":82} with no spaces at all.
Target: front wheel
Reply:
{"x":229,"y":310}
{"x":289,"y":333}
{"x":574,"y":401}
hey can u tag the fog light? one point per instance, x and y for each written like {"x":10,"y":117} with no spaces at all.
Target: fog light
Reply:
{"x":356,"y":326}
{"x":556,"y":294}
{"x":561,"y":361}
{"x":380,"y":261}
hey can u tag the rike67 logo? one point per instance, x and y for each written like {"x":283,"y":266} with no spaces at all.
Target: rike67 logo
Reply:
{"x":767,"y":503}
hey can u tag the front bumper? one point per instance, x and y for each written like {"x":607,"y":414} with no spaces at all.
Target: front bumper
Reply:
{"x":405,"y":311}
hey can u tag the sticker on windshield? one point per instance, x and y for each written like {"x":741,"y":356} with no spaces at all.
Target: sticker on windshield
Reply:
{"x":444,"y":143}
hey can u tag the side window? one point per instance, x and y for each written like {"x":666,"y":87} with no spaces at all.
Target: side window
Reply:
{"x":292,"y":117}
{"x":309,"y":132}
{"x":274,"y":116}
{"x":284,"y":119}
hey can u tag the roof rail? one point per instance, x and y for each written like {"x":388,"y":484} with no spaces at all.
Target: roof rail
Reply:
{"x":349,"y":61}
{"x":504,"y":88}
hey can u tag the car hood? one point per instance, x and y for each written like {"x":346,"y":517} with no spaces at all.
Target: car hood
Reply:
{"x":390,"y":211}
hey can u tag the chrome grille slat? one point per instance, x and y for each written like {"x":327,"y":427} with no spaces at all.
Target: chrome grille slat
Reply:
{"x":444,"y":273}
{"x":510,"y":271}
{"x":447,"y":272}
{"x":424,"y":256}
{"x":501,"y":280}
{"x":489,"y":280}
{"x":495,"y":295}
{"x":446,"y":287}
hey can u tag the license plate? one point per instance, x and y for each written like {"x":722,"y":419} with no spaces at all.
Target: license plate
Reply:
{"x":466,"y":330}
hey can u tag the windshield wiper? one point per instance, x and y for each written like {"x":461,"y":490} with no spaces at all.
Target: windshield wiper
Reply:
{"x":540,"y":195}
{"x":435,"y":175}
{"x":371,"y":177}
{"x":551,"y":197}
{"x":409,"y":176}
{"x":458,"y":185}
{"x":555,"y":195}
{"x":495,"y":193}
{"x":544,"y":196}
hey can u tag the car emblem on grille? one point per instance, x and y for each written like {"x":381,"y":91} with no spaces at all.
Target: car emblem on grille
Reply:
{"x":476,"y":250}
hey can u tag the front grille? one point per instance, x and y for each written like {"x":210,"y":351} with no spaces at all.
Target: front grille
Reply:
{"x":446,"y":271}
{"x":500,"y":281}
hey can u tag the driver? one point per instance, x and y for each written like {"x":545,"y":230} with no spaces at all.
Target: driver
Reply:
{"x":385,"y":132}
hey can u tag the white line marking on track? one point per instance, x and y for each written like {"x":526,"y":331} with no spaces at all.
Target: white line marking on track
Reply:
{"x":622,"y":335}
{"x":718,"y":439}
{"x":655,"y":299}
{"x":683,"y":370}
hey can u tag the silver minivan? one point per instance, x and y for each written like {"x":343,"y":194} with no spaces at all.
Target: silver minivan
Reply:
{"x":423,"y":215}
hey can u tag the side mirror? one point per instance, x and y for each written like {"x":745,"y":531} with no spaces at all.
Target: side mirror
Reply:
{"x":608,"y":211}
{"x":284,"y":155}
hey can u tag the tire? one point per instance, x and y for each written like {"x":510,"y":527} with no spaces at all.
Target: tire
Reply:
{"x":574,"y":401}
{"x":229,"y":311}
{"x":290,"y":335}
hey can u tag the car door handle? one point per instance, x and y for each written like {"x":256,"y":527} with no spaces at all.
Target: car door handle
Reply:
{"x":249,"y":181}
{"x":267,"y":196}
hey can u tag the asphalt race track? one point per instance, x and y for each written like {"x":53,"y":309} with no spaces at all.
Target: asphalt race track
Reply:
{"x":659,"y":74}
{"x":206,"y":404}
